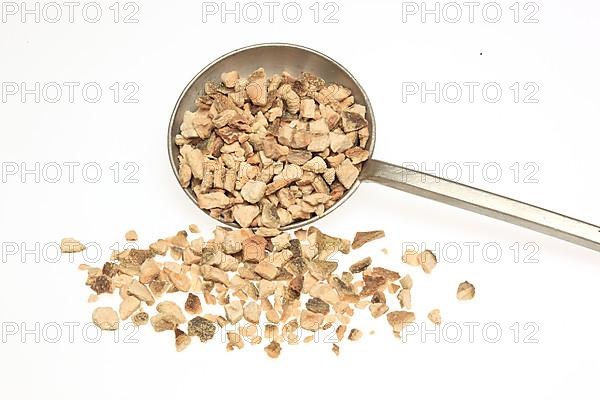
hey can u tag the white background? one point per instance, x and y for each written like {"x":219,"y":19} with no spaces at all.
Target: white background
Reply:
{"x":160,"y":53}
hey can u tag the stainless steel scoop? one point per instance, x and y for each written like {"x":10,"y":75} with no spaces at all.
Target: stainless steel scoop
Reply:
{"x":277,"y":57}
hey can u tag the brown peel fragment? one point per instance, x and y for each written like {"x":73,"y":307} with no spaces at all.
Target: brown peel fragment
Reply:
{"x":317,"y":305}
{"x":163,"y":322}
{"x":131,"y":236}
{"x":372,"y":285}
{"x":229,"y":79}
{"x":411,"y":257}
{"x":465,"y":291}
{"x":212,"y":200}
{"x":273,"y":349}
{"x":106,"y":318}
{"x":322,"y":269}
{"x":193,"y":304}
{"x":149,"y":271}
{"x":170,"y":308}
{"x":254,"y":249}
{"x":234,"y":341}
{"x":141,"y":318}
{"x":428,"y":261}
{"x":377,"y":310}
{"x":435,"y":316}
{"x":357,"y":155}
{"x":161,"y":247}
{"x":361,"y":265}
{"x":128,"y":306}
{"x":179,"y":280}
{"x":404,"y":298}
{"x":340,"y":332}
{"x":70,"y":245}
{"x":252,"y":312}
{"x":406,"y":282}
{"x":355,"y":335}
{"x":327,"y":245}
{"x":182,"y":341}
{"x":245,"y":214}
{"x":251,"y":334}
{"x":140,"y":291}
{"x":352,"y":121}
{"x":253,"y":191}
{"x":386,"y":273}
{"x":336,"y":349}
{"x":362,"y":238}
{"x":101,"y":284}
{"x":134,"y":256}
{"x":289,"y":332}
{"x":347,"y":173}
{"x":202,"y":328}
{"x":399,"y":319}
{"x":267,"y":270}
{"x":311,"y":321}
{"x":234,"y":311}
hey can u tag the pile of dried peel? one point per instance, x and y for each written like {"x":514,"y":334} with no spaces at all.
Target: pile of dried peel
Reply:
{"x":265,"y":288}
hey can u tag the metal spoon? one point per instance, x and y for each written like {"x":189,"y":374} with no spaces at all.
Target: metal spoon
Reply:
{"x":277,"y":57}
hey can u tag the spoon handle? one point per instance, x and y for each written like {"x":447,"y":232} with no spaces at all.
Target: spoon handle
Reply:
{"x":483,"y":202}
